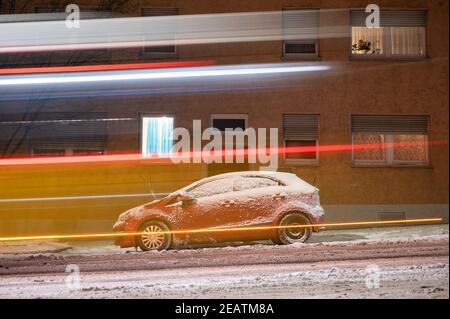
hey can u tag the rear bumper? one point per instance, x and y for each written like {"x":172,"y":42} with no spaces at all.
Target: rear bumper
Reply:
{"x":319,"y":220}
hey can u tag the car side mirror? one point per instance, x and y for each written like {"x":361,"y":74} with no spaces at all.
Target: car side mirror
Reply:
{"x":186,"y":199}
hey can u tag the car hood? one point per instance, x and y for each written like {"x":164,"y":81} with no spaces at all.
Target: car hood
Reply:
{"x":136,"y":210}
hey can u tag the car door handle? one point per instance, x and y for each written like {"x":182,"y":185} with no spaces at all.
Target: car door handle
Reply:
{"x":227,"y":203}
{"x":279,"y":196}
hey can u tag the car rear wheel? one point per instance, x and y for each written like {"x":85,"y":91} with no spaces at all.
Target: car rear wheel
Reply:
{"x":289,"y":235}
{"x":154,"y":236}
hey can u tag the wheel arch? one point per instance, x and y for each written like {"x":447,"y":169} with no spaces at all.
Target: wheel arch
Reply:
{"x":297,"y":210}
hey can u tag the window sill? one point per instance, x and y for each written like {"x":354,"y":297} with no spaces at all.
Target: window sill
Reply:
{"x":426,"y":166}
{"x":301,"y":163}
{"x":388,"y":58}
{"x":160,"y":56}
{"x":300,"y":57}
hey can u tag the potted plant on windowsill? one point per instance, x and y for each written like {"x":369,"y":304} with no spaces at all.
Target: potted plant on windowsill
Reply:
{"x":364,"y":47}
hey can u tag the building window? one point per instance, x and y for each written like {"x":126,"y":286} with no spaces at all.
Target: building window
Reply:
{"x":301,"y":138}
{"x":401,"y":34}
{"x":390,"y":139}
{"x":163,"y":51}
{"x":228,"y":121}
{"x":301,"y":32}
{"x":68,"y":134}
{"x":157,"y":136}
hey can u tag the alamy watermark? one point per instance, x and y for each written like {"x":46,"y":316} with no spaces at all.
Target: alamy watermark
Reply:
{"x":73,"y":17}
{"x":231,"y":146}
{"x":373,"y":19}
{"x":73,"y":279}
{"x":372,"y":279}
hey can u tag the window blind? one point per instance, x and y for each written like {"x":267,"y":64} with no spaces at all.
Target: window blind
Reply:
{"x":391,"y":18}
{"x":301,"y":126}
{"x":390,"y":124}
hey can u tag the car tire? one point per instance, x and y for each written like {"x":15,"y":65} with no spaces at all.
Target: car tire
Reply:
{"x":154,"y":241}
{"x":286,"y":236}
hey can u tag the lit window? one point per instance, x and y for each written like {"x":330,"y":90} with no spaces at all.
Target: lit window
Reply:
{"x":400,"y":34}
{"x":157,"y":136}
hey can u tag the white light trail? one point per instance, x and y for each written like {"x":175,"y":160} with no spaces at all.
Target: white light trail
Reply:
{"x":147,"y":74}
{"x":37,"y":36}
{"x":42,"y":199}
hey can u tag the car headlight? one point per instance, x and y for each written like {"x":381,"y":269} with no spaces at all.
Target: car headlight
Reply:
{"x":124,"y":216}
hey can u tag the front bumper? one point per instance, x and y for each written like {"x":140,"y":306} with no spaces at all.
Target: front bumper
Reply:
{"x":125,"y":240}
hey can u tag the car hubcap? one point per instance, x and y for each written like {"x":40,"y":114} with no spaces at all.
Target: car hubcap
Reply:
{"x":152,"y":237}
{"x":295,"y":232}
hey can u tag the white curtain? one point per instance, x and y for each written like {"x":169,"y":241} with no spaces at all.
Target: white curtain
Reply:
{"x":408,"y":41}
{"x":157,"y":134}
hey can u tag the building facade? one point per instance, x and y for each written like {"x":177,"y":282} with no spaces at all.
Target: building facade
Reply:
{"x":384,"y":86}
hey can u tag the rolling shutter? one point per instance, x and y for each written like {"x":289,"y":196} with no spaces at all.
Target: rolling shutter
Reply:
{"x":69,"y":130}
{"x":301,"y":126}
{"x":158,"y":12}
{"x":394,"y":18}
{"x":390,"y":124}
{"x":301,"y":23}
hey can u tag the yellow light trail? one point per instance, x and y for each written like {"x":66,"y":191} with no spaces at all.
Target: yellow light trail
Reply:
{"x":216,"y":230}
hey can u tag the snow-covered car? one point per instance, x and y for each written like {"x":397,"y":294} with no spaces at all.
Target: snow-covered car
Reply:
{"x":239,"y":206}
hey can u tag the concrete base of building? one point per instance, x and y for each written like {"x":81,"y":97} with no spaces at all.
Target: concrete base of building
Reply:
{"x":351,"y":213}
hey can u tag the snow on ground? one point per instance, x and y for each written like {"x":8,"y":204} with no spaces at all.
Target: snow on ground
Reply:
{"x":392,"y":262}
{"x":324,"y":237}
{"x":424,"y":279}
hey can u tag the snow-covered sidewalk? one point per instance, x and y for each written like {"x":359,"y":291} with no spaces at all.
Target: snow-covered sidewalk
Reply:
{"x":32,"y":247}
{"x":341,"y":235}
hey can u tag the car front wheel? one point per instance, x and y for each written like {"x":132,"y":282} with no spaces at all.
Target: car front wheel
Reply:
{"x":154,"y":236}
{"x":288,"y":235}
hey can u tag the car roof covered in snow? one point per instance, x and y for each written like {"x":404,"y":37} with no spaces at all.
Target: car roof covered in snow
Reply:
{"x":288,"y":179}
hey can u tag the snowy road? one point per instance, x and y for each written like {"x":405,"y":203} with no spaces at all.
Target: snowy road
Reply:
{"x":401,"y":268}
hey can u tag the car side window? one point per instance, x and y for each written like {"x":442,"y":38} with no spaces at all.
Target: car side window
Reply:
{"x":252,"y":182}
{"x":220,"y":186}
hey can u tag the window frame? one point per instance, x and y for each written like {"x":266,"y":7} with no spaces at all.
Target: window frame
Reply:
{"x":390,"y":160}
{"x":159,"y":55}
{"x":225,"y":116}
{"x":387,"y":41}
{"x":141,"y":130}
{"x":293,"y":41}
{"x":305,"y":161}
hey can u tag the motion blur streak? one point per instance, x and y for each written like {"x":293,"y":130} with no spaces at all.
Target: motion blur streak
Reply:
{"x":144,"y":74}
{"x":38,"y":199}
{"x":215,"y":230}
{"x":156,"y":31}
{"x":202,"y":154}
{"x":104,"y":67}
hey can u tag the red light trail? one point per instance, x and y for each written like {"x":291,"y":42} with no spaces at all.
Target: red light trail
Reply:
{"x":133,"y":156}
{"x":105,"y":67}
